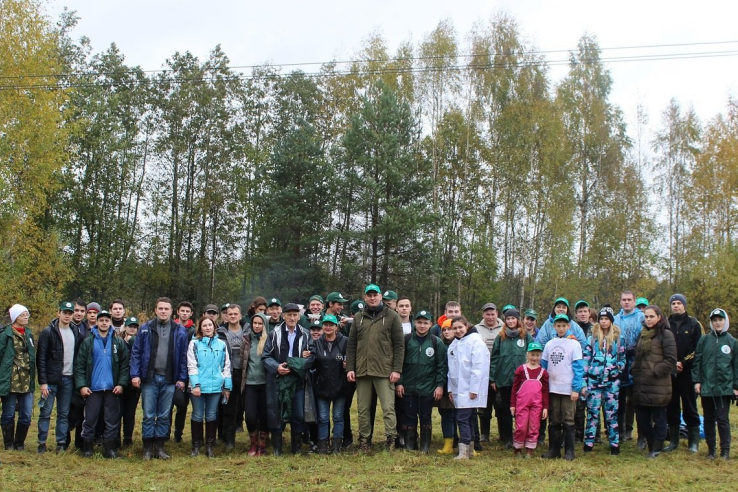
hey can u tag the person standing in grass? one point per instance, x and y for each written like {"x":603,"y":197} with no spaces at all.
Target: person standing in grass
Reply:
{"x":131,"y":396}
{"x":653,"y":364}
{"x":715,"y":376}
{"x":253,"y":383}
{"x":445,"y":407}
{"x":468,"y":379}
{"x":604,"y":359}
{"x":529,"y":402}
{"x":509,"y":353}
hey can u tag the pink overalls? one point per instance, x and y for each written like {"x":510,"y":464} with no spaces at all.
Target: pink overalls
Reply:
{"x":528,"y":410}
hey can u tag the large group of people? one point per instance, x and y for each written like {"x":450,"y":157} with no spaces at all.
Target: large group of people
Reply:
{"x":582,"y":373}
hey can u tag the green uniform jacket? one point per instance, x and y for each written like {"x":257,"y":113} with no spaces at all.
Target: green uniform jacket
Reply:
{"x":376,"y":345}
{"x":83,"y":364}
{"x":7,"y":354}
{"x":715,"y":364}
{"x":425,"y":367}
{"x":507,"y":355}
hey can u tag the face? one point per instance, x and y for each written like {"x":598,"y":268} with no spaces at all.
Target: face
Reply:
{"x":651,"y":317}
{"x":490,"y":317}
{"x":315,"y":334}
{"x":583,"y":314}
{"x":261,"y":308}
{"x":605,"y":323}
{"x":718,"y":323}
{"x":642,"y":307}
{"x":207,"y":327}
{"x":560,"y":308}
{"x":184,"y":313}
{"x":23,"y":318}
{"x":422,"y":326}
{"x":511,"y":321}
{"x":328,"y":328}
{"x":315,"y":306}
{"x":65,"y":317}
{"x":103,"y":325}
{"x":233,"y":315}
{"x":534,"y":358}
{"x":92,"y":318}
{"x":561,"y":327}
{"x":163,"y":311}
{"x":404,"y":308}
{"x":79,"y":313}
{"x":335,"y":308}
{"x":460,"y":329}
{"x":530,"y":323}
{"x":677,"y":307}
{"x":372,"y":299}
{"x":117,"y":310}
{"x":454,"y":311}
{"x":448,"y":333}
{"x":275,"y":312}
{"x":131,"y":330}
{"x":392,"y":304}
{"x":257,"y":324}
{"x":211,"y":314}
{"x":627,"y":302}
{"x":291,"y":318}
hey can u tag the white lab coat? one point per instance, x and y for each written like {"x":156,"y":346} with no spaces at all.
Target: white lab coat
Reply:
{"x":468,"y":371}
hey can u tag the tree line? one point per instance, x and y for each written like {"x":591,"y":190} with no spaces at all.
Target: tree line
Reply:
{"x":443,"y":170}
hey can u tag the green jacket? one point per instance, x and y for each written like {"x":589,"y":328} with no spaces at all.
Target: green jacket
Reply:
{"x":83,"y":363}
{"x":376,"y":344}
{"x":715,"y":364}
{"x":507,"y":355}
{"x":425,"y":367}
{"x":7,"y":354}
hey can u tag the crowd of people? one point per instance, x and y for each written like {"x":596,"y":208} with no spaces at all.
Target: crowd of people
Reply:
{"x":276,"y":366}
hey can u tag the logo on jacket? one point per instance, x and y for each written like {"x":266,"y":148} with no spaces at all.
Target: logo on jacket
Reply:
{"x":429,"y":351}
{"x":521,"y":343}
{"x":725,"y":349}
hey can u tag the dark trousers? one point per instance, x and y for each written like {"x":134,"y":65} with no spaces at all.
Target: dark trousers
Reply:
{"x":682,"y":390}
{"x":626,"y":412}
{"x":128,"y":405}
{"x":76,"y":417}
{"x":464,"y":417}
{"x":717,"y":409}
{"x":105,"y":405}
{"x":234,"y":407}
{"x":504,"y":417}
{"x":254,"y":402}
{"x":485,"y":414}
{"x":416,"y":408}
{"x":180,"y":418}
{"x":651,"y":422}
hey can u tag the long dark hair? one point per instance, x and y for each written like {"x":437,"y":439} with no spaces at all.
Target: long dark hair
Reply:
{"x":662,"y":324}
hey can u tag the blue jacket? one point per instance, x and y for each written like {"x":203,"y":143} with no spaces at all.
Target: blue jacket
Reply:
{"x":630,"y":326}
{"x":548,"y":332}
{"x":143,"y":353}
{"x":83,"y":363}
{"x":209,"y":365}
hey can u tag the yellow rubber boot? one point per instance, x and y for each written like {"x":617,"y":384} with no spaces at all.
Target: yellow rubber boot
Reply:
{"x":448,"y":446}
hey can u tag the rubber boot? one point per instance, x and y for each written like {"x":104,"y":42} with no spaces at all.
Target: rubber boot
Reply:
{"x":295,"y":442}
{"x":425,"y":439}
{"x":337,"y":445}
{"x":262,"y":443}
{"x":254,"y":448}
{"x":448,"y":446}
{"x":614,"y":450}
{"x":21,"y":431}
{"x":554,"y":442}
{"x":197,"y":437}
{"x":323,"y":446}
{"x":725,"y":454}
{"x":463,"y":452}
{"x":569,"y":441}
{"x":211,"y":429}
{"x":87,"y":447}
{"x":277,"y":442}
{"x":109,"y":449}
{"x":8,"y":436}
{"x":411,"y":439}
{"x":673,"y":439}
{"x":694,"y":439}
{"x":710,"y":453}
{"x":148,"y":451}
{"x":641,"y":442}
{"x":159,"y":449}
{"x":484,"y":426}
{"x":656,"y":449}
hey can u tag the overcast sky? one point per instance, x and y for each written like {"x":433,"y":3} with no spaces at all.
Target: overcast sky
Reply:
{"x":148,"y":32}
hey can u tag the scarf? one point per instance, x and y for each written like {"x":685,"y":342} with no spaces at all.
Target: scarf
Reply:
{"x":644,"y":342}
{"x":512,"y":333}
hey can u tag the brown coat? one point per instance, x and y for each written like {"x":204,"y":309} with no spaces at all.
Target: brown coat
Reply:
{"x":376,"y":345}
{"x":652,"y":372}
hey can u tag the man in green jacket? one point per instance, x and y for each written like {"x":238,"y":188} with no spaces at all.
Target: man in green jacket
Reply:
{"x":422,"y":381}
{"x":375,"y":354}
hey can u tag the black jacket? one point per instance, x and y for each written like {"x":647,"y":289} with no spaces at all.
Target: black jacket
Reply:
{"x":50,"y":353}
{"x":687,"y":332}
{"x":330,"y":381}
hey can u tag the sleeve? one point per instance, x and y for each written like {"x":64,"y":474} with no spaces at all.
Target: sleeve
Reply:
{"x":479,"y":367}
{"x":452,"y":369}
{"x":310,"y":346}
{"x":578,"y":333}
{"x":80,"y":365}
{"x":517,"y":382}
{"x":227,"y":380}
{"x":135,"y":361}
{"x":544,"y":357}
{"x":124,"y":370}
{"x":668,"y":364}
{"x":543,"y":335}
{"x":441,"y":363}
{"x":192,"y":369}
{"x":735,"y":364}
{"x":494,"y":359}
{"x":398,"y":345}
{"x":351,"y":347}
{"x":620,"y":357}
{"x":577,"y":382}
{"x":696,"y":372}
{"x":587,"y":360}
{"x":41,"y":354}
{"x":182,"y":342}
{"x":268,"y":358}
{"x":544,"y":388}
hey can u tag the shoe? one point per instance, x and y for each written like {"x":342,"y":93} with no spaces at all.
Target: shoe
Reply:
{"x":41,"y":449}
{"x":448,"y":446}
{"x":347,"y":443}
{"x":323,"y":446}
{"x":400,"y":442}
{"x":694,"y":439}
{"x":518,"y":453}
{"x":587,"y":448}
{"x":477,"y":447}
{"x":411,"y":439}
{"x":725,"y":454}
{"x":159,"y":449}
{"x":148,"y":452}
{"x":389,"y":444}
{"x":614,"y":450}
{"x":569,"y":431}
{"x":426,"y":433}
{"x":365,"y":445}
{"x":87,"y":448}
{"x":337,"y":445}
{"x":177,"y":437}
{"x":8,"y":436}
{"x":211,"y":429}
{"x":277,"y":443}
{"x":673,"y":439}
{"x":554,"y":443}
{"x":710,"y":453}
{"x":127,"y":441}
{"x":642,"y":444}
{"x":109,"y":450}
{"x":508,"y":444}
{"x":229,"y":440}
{"x":21,"y":431}
{"x":262,"y":443}
{"x":628,"y":436}
{"x":296,"y":442}
{"x":61,"y":448}
{"x":529,"y":453}
{"x":254,"y":448}
{"x":656,"y":449}
{"x":197,"y":437}
{"x":484,"y":438}
{"x":463,"y":452}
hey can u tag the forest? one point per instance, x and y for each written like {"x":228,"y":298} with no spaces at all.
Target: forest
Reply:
{"x":452,"y":168}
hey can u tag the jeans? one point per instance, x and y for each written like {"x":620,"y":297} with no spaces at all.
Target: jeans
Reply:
{"x":63,"y":395}
{"x":205,"y":405}
{"x":24,"y":402}
{"x":448,"y":422}
{"x":655,"y":431}
{"x":324,"y":421}
{"x":105,"y":405}
{"x":156,"y":400}
{"x":417,"y":408}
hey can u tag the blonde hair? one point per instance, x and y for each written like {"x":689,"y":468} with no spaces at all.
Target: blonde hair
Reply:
{"x":612,"y":335}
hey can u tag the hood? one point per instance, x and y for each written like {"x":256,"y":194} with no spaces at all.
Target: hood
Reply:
{"x":727,"y":321}
{"x":623,"y":315}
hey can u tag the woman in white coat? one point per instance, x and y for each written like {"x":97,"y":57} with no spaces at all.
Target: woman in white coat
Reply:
{"x":468,"y":379}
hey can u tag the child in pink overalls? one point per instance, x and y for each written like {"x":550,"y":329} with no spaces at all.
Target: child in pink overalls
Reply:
{"x":529,"y":402}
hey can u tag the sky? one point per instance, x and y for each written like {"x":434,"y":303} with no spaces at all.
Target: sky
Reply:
{"x":250,"y":33}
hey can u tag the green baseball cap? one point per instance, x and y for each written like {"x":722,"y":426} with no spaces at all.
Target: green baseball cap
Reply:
{"x":561,"y":317}
{"x":357,"y":306}
{"x":316,"y":325}
{"x":390,"y":295}
{"x":104,"y":314}
{"x":425,"y":315}
{"x":132,"y":321}
{"x":66,"y":306}
{"x":641,"y":301}
{"x":561,"y":300}
{"x":507,"y":307}
{"x":532,"y":346}
{"x":329,"y":318}
{"x":531,"y":313}
{"x":225,"y":306}
{"x":274,"y":302}
{"x":581,"y":303}
{"x":336,"y":297}
{"x":372,"y":288}
{"x":316,"y":297}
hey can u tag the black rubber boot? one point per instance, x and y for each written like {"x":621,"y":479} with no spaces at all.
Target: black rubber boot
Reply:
{"x":425,"y":439}
{"x":277,"y":442}
{"x":554,"y":442}
{"x":614,"y":450}
{"x":337,"y":445}
{"x":411,"y":439}
{"x":197,"y":439}
{"x":295,"y":442}
{"x":211,"y":429}
{"x":159,"y":449}
{"x":8,"y":436}
{"x":673,"y":439}
{"x":725,"y":454}
{"x":148,"y":449}
{"x":569,"y":441}
{"x":21,"y":431}
{"x":710,"y":453}
{"x":323,"y":446}
{"x":694,"y":439}
{"x":656,"y":449}
{"x":87,"y":448}
{"x":109,"y":449}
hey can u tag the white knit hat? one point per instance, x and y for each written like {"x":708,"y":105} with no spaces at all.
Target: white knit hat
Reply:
{"x":16,"y":311}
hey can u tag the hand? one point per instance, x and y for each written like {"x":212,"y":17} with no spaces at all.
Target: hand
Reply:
{"x":179,"y":385}
{"x":136,"y":382}
{"x":85,"y":391}
{"x":698,"y":387}
{"x":394,"y":377}
{"x":680,"y":367}
{"x":306,"y":354}
{"x":735,"y":392}
{"x":544,"y":414}
{"x":494,"y":386}
{"x":227,"y":394}
{"x":450,"y":397}
{"x":118,"y":390}
{"x":574,"y":396}
{"x":351,"y":376}
{"x":438,"y":393}
{"x":472,"y":396}
{"x":45,"y":390}
{"x":196,"y":392}
{"x":512,"y":411}
{"x":283,"y":370}
{"x":584,"y":392}
{"x":400,"y":390}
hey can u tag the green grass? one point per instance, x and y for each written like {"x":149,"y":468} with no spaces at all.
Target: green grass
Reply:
{"x":495,"y":468}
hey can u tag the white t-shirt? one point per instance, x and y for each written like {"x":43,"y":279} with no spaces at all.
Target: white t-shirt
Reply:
{"x":560,"y":353}
{"x":407,"y":328}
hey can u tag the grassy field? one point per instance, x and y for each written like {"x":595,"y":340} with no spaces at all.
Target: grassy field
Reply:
{"x":495,"y":468}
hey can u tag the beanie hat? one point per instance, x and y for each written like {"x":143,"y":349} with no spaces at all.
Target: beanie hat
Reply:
{"x":512,"y":312}
{"x":16,"y":311}
{"x":607,"y":312}
{"x":93,"y":306}
{"x":446,"y":323}
{"x":680,"y":298}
